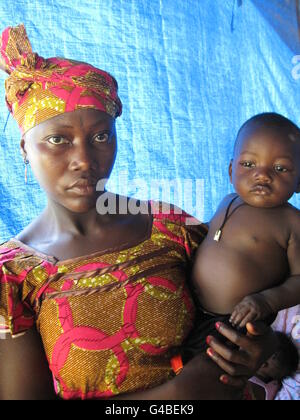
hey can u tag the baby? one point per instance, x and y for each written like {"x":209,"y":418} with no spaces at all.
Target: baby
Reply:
{"x":248,"y":267}
{"x":281,"y":365}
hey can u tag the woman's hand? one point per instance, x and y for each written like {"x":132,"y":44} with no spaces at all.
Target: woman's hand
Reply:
{"x":253,"y":350}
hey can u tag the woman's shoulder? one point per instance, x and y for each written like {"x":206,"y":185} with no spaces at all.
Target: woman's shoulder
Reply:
{"x":173,"y":214}
{"x":9,"y":253}
{"x":17,"y":257}
{"x":8,"y":248}
{"x":16,"y":246}
{"x":176,"y":223}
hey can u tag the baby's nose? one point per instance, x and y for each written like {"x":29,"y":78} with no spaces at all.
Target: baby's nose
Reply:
{"x":263,"y":175}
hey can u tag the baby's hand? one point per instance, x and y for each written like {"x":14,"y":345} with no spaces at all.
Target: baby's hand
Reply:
{"x":251,"y":308}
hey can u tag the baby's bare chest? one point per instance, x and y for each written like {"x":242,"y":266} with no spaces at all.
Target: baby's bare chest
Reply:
{"x":252,"y":227}
{"x":251,"y":254}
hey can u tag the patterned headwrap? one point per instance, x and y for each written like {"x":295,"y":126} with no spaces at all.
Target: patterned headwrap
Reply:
{"x":38,"y":89}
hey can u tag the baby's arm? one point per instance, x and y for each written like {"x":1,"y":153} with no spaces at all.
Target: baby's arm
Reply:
{"x":288,"y":294}
{"x":252,"y":308}
{"x":261,"y":305}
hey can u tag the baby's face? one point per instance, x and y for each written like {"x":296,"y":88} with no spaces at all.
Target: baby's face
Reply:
{"x":265,"y":170}
{"x":273,"y":369}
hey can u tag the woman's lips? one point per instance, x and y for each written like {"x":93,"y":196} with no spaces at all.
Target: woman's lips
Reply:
{"x":84,"y":190}
{"x":261,"y":189}
{"x":84,"y":187}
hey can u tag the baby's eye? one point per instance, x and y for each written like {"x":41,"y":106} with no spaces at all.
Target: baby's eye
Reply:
{"x":248,"y":164}
{"x":57,"y":140}
{"x":101,"y":138}
{"x":280,"y":168}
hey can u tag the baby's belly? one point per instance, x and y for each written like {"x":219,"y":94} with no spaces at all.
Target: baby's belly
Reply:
{"x":224,"y":275}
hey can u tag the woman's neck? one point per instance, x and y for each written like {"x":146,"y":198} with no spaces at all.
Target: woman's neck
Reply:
{"x":61,"y":220}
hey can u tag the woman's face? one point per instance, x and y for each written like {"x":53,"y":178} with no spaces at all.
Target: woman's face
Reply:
{"x":70,"y":153}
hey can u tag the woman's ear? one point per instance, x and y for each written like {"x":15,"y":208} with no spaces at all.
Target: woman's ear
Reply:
{"x":230,"y":170}
{"x":22,"y":148}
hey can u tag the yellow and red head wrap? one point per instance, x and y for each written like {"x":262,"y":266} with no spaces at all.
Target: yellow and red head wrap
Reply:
{"x":38,"y":89}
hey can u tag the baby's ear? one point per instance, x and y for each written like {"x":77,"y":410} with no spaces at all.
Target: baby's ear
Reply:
{"x":230,"y":170}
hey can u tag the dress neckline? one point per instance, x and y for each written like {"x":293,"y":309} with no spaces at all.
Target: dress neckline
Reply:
{"x":127,"y":245}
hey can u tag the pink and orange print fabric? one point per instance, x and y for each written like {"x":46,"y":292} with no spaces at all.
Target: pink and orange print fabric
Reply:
{"x":38,"y":89}
{"x":110,"y":322}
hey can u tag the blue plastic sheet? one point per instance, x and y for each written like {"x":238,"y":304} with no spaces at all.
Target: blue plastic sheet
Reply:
{"x":190,"y":73}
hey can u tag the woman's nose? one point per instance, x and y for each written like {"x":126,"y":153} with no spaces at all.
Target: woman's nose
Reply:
{"x":263,"y":175}
{"x":81,"y":158}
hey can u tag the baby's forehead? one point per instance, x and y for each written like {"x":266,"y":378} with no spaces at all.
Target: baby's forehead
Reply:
{"x":258,"y":135}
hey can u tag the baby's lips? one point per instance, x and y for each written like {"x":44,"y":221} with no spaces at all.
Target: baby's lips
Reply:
{"x":261,"y":189}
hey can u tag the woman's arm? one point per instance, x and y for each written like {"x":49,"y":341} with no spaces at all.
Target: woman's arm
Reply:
{"x":200,"y":378}
{"x":24,"y":371}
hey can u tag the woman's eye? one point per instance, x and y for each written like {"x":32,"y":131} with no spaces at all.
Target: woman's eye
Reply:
{"x":57,"y":140}
{"x":101,"y":138}
{"x":248,"y":164}
{"x":279,"y":168}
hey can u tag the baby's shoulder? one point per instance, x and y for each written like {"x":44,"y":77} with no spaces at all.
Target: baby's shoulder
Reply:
{"x":292,"y":212}
{"x":229,"y":198}
{"x":225,"y":202}
{"x":292,"y":216}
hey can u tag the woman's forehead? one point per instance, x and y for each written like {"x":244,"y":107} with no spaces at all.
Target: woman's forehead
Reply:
{"x":83,"y":118}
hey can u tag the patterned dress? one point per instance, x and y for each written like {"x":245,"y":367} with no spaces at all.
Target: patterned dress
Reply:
{"x":109,"y":321}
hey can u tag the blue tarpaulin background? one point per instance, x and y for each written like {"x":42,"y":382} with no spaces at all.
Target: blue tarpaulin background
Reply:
{"x":190,"y":72}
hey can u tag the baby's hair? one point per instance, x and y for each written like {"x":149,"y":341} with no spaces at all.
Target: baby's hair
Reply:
{"x":287,"y":355}
{"x":271,"y":120}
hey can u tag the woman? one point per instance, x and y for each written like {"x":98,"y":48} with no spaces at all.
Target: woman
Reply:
{"x":107,"y":292}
